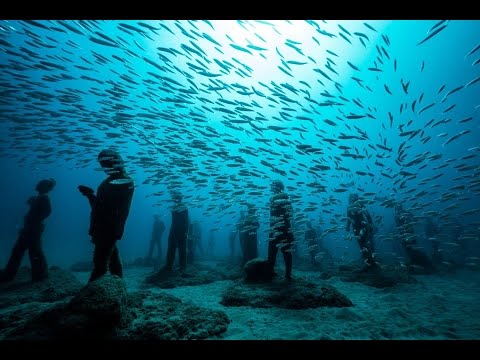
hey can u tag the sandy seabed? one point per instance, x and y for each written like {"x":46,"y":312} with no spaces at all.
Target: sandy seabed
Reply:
{"x":437,"y":307}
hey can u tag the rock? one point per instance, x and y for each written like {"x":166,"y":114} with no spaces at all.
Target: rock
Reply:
{"x":194,"y":275}
{"x":15,"y":319}
{"x":103,"y":301}
{"x":165,"y":317}
{"x":297,"y":294}
{"x":95,"y":312}
{"x":229,"y":270}
{"x":59,"y":285}
{"x":103,"y":310}
{"x":387,"y":276}
{"x":258,"y":270}
{"x":40,"y":322}
{"x":81,"y":266}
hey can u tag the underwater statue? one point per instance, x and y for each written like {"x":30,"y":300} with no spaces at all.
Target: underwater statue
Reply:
{"x":109,"y":212}
{"x":30,"y":236}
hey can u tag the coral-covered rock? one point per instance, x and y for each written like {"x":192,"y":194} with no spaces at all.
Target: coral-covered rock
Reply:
{"x":165,"y":317}
{"x":104,"y":310}
{"x":103,"y":301}
{"x":57,"y":286}
{"x":294,"y":294}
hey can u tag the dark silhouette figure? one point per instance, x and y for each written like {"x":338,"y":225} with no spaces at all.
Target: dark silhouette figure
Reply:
{"x":408,"y":239}
{"x":177,"y":238}
{"x":156,"y":239}
{"x":249,"y":233}
{"x":311,"y":241}
{"x":110,"y":209}
{"x":361,"y":221}
{"x":30,"y":236}
{"x":194,"y":241}
{"x":281,"y":236}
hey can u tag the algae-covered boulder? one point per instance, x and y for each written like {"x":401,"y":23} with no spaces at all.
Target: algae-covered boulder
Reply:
{"x":386,"y":276}
{"x":103,"y":310}
{"x":57,"y":286}
{"x":295,"y":294}
{"x":102,"y":301}
{"x":165,"y":317}
{"x":258,"y":270}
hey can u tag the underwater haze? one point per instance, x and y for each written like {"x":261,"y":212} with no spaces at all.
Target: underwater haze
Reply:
{"x":386,"y":109}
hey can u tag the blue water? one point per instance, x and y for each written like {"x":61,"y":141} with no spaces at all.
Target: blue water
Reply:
{"x":59,"y":139}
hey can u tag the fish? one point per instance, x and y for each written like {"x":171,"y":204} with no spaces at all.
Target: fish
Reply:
{"x":405,"y":86}
{"x":344,"y":37}
{"x":330,"y":122}
{"x":420,"y":99}
{"x":384,"y":147}
{"x":426,"y":108}
{"x":102,"y":42}
{"x":354,"y":116}
{"x":258,"y":48}
{"x":474,"y":81}
{"x":353,"y":66}
{"x":296,"y":62}
{"x":332,"y":53}
{"x":36,"y":24}
{"x":436,"y":25}
{"x":200,"y":124}
{"x":370,"y":27}
{"x":362,"y":35}
{"x":343,"y":29}
{"x":474,"y":50}
{"x":466,"y":120}
{"x":148,"y":26}
{"x":449,"y":108}
{"x":432,"y":34}
{"x":240,"y":48}
{"x":211,"y":39}
{"x":70,"y":27}
{"x":461,"y":133}
{"x":458,"y":88}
